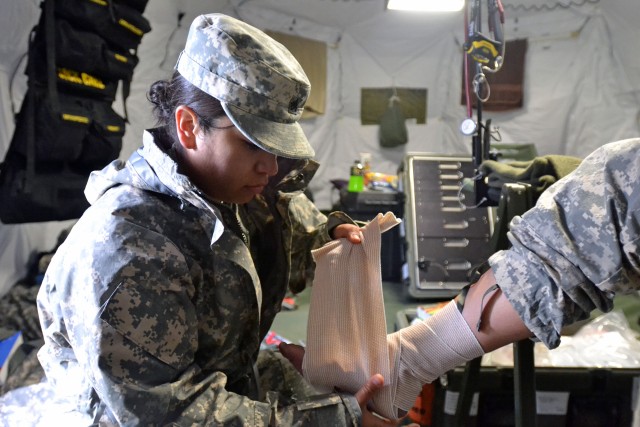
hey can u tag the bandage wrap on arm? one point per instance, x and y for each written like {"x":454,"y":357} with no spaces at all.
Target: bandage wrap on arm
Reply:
{"x":424,"y":351}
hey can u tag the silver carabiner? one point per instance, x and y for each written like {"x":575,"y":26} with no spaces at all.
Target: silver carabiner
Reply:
{"x":480,"y":81}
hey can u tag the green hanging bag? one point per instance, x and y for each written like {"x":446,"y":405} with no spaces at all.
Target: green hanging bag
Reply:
{"x":393,"y":129}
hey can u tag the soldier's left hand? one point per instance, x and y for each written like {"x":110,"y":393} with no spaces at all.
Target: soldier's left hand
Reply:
{"x":294,"y":353}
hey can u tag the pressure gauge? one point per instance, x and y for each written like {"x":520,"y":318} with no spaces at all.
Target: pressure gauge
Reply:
{"x":468,"y":127}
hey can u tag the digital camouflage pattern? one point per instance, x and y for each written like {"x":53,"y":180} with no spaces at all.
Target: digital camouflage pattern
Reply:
{"x":578,"y":247}
{"x":18,"y":311}
{"x":261,"y":85}
{"x":153,"y":309}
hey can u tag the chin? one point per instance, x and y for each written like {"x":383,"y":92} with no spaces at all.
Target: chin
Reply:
{"x":246,"y":199}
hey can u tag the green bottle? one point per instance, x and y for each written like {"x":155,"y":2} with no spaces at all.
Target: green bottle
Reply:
{"x":356,"y":178}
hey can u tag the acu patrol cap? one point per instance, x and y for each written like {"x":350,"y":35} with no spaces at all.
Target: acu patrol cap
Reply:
{"x":260,"y":84}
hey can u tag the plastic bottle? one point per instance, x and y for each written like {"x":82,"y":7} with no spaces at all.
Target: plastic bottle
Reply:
{"x":356,"y":177}
{"x":365,"y":159}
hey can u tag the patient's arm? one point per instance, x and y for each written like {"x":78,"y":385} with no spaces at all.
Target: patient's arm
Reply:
{"x":499,"y":323}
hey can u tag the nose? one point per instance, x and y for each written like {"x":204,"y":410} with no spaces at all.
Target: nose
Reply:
{"x":268,"y":164}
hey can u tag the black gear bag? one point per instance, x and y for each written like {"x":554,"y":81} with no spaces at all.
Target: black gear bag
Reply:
{"x":79,"y":53}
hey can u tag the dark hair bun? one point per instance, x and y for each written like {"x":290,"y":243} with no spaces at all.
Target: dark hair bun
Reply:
{"x":159,"y":95}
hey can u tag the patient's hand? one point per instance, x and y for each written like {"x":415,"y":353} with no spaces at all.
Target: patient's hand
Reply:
{"x":350,"y":232}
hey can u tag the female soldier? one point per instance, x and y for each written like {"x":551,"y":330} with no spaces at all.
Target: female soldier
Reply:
{"x":154,"y":308}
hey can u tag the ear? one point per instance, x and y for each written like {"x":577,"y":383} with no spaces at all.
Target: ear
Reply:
{"x":186,"y":126}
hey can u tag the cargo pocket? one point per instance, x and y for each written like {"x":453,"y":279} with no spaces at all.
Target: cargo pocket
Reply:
{"x":153,"y":319}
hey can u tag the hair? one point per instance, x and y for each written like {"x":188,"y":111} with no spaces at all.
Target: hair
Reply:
{"x":167,"y":95}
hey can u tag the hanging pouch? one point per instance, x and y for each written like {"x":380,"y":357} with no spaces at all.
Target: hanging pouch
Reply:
{"x":393,"y":129}
{"x":103,"y":141}
{"x":120,"y":25}
{"x":77,"y":62}
{"x":58,"y":133}
{"x":87,"y":52}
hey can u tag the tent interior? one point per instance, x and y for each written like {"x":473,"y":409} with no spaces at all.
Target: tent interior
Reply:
{"x":577,"y":69}
{"x":580,"y":82}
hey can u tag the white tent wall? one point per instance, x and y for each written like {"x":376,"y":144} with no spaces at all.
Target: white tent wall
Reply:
{"x":582,"y":81}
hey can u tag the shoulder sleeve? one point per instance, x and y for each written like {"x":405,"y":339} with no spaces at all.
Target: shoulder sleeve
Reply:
{"x":578,"y":246}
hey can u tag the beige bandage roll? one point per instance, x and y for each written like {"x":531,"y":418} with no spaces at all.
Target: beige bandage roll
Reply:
{"x":347,"y":330}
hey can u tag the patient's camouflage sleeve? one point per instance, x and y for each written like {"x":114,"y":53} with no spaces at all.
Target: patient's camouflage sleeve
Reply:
{"x":578,"y":246}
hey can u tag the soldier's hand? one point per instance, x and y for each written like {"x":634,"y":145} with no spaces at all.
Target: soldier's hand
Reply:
{"x":364,"y":395}
{"x":350,"y":232}
{"x":294,"y":353}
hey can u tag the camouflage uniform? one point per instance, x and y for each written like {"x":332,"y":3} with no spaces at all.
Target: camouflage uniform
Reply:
{"x":154,"y":308}
{"x":578,"y":246}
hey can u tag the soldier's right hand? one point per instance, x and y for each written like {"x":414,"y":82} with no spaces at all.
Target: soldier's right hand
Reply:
{"x":364,"y":395}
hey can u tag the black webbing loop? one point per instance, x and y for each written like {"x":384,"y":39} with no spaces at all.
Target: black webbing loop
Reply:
{"x":30,"y":119}
{"x":50,"y":44}
{"x":487,"y":292}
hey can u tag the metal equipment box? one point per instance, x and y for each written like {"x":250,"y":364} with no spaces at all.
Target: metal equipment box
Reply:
{"x":446,"y":236}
